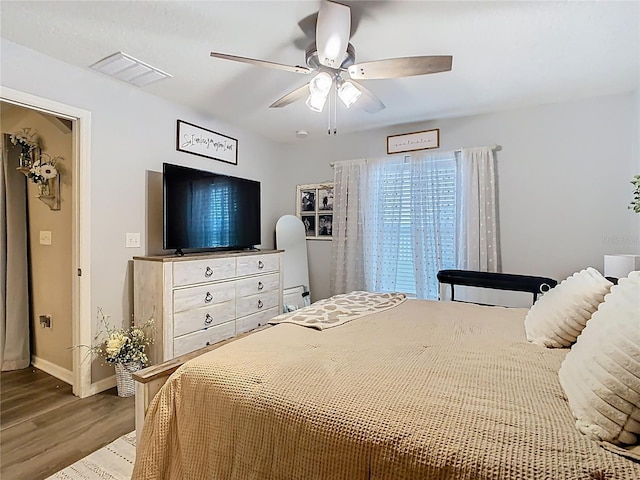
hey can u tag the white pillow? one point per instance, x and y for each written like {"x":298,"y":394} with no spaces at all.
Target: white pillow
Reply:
{"x":559,"y":316}
{"x":601,"y":374}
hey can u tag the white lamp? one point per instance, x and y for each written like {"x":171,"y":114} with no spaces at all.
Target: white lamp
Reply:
{"x":620,"y":266}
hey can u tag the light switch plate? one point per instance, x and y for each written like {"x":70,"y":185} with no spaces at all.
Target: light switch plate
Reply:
{"x":132,"y":240}
{"x":45,"y":237}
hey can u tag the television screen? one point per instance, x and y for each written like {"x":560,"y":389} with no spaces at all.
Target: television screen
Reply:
{"x":206,"y":211}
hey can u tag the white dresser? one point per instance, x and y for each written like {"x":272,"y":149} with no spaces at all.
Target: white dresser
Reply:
{"x":198,"y":300}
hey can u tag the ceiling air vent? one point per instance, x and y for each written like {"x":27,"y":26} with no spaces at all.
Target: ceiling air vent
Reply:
{"x":128,"y":69}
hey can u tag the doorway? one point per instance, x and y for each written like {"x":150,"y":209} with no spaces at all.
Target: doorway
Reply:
{"x":38,"y":240}
{"x":78,"y":205}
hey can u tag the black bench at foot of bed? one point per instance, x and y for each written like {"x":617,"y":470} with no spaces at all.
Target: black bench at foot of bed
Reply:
{"x":497,"y":281}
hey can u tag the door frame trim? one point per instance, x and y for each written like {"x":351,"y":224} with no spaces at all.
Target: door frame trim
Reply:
{"x":81,"y":227}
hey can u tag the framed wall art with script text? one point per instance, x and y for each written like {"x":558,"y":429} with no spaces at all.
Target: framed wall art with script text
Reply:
{"x":410,"y":142}
{"x":206,"y":143}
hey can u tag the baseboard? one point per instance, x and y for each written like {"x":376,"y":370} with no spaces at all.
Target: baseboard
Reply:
{"x":67,"y":375}
{"x":53,"y":369}
{"x":102,"y":385}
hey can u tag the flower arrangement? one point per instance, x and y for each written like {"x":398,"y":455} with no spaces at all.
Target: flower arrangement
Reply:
{"x":41,"y":171}
{"x":26,"y":139}
{"x":635,"y":204}
{"x":124,"y":345}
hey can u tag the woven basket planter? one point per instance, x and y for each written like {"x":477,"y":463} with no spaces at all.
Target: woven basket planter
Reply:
{"x":124,"y":381}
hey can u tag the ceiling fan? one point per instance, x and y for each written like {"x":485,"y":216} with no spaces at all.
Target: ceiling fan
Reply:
{"x":331,"y":56}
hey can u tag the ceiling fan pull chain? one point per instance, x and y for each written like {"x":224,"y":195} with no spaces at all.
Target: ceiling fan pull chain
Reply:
{"x":335,"y":109}
{"x":329,"y":116}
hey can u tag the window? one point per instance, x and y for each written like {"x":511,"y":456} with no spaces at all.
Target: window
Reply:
{"x":410,"y":227}
{"x":397,"y":222}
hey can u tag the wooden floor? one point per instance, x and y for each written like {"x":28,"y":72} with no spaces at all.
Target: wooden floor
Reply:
{"x":44,"y":428}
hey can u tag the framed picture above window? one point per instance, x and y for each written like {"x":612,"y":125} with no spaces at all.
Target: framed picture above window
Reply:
{"x":315,"y":209}
{"x":410,"y":142}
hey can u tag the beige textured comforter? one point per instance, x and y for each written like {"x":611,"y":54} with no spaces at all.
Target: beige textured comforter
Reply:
{"x":425,"y":390}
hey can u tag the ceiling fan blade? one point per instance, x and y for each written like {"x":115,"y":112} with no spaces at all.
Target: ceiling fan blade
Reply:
{"x":368,"y":101}
{"x":308,"y":24}
{"x":262,"y":63}
{"x":401,"y":67}
{"x":297,"y":94}
{"x":332,"y":33}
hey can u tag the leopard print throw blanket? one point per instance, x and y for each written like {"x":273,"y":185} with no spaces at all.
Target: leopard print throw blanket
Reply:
{"x":340,"y":309}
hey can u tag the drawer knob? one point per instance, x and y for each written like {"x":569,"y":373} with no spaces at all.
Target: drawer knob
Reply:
{"x":208,"y":343}
{"x":208,"y":297}
{"x":260,"y":285}
{"x":260,"y":304}
{"x":260,"y":264}
{"x":208,"y":319}
{"x":208,"y":272}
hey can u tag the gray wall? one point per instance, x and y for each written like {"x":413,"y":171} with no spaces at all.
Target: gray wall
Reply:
{"x":564,"y":173}
{"x":132,"y":134}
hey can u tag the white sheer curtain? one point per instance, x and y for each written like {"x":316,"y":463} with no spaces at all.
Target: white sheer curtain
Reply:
{"x":383,"y":215}
{"x":433,"y":185}
{"x":347,"y":261}
{"x":477,"y":231}
{"x":398,"y":221}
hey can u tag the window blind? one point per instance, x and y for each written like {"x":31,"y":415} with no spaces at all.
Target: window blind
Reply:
{"x":399,"y":196}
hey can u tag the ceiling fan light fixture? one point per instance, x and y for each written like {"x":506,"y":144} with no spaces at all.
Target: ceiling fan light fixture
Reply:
{"x":316,"y":101}
{"x":321,"y":84}
{"x":329,"y":58}
{"x":348,"y":93}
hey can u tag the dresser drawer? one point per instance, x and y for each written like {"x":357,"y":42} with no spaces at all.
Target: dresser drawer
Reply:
{"x":252,"y":264}
{"x":256,"y":320}
{"x":199,"y":318}
{"x":199,"y":271}
{"x":256,"y":303}
{"x":193,"y":341}
{"x":257,"y":284}
{"x":195,"y":297}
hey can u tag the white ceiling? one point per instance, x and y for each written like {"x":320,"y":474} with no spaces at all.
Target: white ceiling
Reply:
{"x":505,"y":54}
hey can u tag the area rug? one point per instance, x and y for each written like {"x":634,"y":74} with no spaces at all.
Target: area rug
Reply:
{"x":112,"y":462}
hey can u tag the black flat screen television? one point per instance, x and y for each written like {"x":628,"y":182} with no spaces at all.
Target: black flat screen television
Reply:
{"x":208,"y":211}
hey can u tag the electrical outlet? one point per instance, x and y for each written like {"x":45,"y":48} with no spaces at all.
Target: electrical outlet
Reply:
{"x":132,"y":240}
{"x":45,"y":321}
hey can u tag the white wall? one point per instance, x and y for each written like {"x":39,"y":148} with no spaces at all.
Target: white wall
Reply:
{"x":564,"y":173}
{"x":132,"y":133}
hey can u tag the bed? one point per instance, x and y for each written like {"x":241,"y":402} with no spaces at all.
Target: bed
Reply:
{"x":418,"y":390}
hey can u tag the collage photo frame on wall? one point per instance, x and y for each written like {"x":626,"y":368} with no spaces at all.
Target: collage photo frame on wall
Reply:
{"x":315,"y":209}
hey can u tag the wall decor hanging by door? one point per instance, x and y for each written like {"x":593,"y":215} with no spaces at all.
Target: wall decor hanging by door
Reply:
{"x":38,"y":166}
